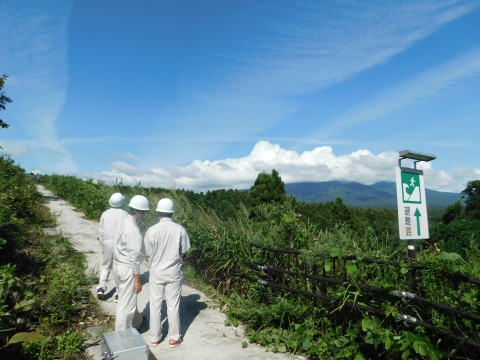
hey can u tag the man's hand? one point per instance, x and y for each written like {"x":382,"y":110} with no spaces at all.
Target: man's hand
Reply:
{"x":138,"y":284}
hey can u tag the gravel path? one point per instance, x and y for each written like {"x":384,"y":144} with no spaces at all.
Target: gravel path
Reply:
{"x":205,"y":335}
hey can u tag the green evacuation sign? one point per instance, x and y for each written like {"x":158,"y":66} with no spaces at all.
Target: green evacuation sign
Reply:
{"x":412,"y":207}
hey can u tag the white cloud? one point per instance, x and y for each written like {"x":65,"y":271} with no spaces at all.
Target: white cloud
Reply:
{"x":13,"y":148}
{"x":127,"y":156}
{"x":456,"y":181}
{"x":33,"y":52}
{"x":317,"y":165}
{"x":54,"y":157}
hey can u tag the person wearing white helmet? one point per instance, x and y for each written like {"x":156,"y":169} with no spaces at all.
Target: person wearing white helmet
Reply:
{"x":128,"y":255}
{"x":110,"y":220}
{"x":165,"y":244}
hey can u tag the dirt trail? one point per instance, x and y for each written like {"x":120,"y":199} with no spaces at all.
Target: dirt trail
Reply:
{"x":205,"y":335}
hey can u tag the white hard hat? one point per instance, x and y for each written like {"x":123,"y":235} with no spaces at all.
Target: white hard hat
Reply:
{"x":165,"y":205}
{"x":139,"y":202}
{"x":116,"y":200}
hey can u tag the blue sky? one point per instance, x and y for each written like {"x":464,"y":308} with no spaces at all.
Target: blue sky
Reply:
{"x":207,"y":94}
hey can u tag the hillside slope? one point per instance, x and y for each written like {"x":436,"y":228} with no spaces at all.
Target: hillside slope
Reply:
{"x":379,"y":195}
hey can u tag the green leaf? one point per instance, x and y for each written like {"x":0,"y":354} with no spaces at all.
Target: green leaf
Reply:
{"x":336,"y":252}
{"x":388,"y":341}
{"x":436,"y":353}
{"x":450,"y":256}
{"x":359,"y":356}
{"x":351,"y":266}
{"x":244,"y":345}
{"x":406,"y":354}
{"x":369,"y":339}
{"x":423,"y":350}
{"x":24,"y":305}
{"x":307,"y":344}
{"x":411,"y":337}
{"x":366,"y":323}
{"x":420,"y":346}
{"x":391,"y":311}
{"x":28,"y":337}
{"x":405,"y":345}
{"x":292,"y":344}
{"x":327,"y":265}
{"x":282,"y":349}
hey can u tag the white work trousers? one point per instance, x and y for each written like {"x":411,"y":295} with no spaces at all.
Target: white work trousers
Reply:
{"x":127,"y":315}
{"x":168,"y":287}
{"x":107,"y":265}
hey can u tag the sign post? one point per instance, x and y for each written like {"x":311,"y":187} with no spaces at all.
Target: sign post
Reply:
{"x":412,"y":204}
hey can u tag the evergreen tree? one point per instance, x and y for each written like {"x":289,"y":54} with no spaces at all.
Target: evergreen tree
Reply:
{"x":268,"y":188}
{"x":452,"y":212}
{"x":3,"y":100}
{"x":472,"y":195}
{"x":458,"y":229}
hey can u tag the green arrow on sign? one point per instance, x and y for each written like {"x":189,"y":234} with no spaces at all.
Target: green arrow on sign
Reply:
{"x":417,"y":215}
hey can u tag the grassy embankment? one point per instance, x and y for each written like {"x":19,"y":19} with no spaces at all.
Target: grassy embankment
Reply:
{"x":43,"y":286}
{"x":221,"y":249}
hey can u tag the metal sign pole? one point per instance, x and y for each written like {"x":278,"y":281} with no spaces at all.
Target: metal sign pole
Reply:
{"x":411,"y":273}
{"x":412,"y":206}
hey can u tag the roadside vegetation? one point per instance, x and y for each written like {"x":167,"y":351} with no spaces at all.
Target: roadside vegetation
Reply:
{"x":44,"y":292}
{"x":223,"y":225}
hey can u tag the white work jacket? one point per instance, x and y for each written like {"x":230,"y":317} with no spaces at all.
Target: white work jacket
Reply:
{"x":128,"y":250}
{"x":164,"y":244}
{"x":110,"y":221}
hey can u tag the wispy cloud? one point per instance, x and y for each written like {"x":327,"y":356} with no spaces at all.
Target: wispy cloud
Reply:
{"x":299,"y":48}
{"x":55,"y":158}
{"x":313,"y":46}
{"x":13,"y":148}
{"x":127,"y":156}
{"x":319,"y":164}
{"x":423,"y":86}
{"x":33,"y":52}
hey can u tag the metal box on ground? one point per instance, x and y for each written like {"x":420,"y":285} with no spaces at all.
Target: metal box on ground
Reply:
{"x":124,"y":345}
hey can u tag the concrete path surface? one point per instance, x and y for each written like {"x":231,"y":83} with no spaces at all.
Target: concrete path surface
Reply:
{"x":205,"y":336}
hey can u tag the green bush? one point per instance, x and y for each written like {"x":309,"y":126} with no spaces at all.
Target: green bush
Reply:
{"x":42,"y":280}
{"x":70,"y":343}
{"x":456,"y":236}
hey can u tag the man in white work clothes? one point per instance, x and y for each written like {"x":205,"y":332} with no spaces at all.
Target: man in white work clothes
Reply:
{"x":165,"y":243}
{"x":110,"y":221}
{"x":128,"y":255}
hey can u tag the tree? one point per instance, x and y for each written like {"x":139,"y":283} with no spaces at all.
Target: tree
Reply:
{"x":459,"y":229}
{"x":452,"y":212}
{"x":268,"y":188}
{"x":3,"y":100}
{"x":472,"y":195}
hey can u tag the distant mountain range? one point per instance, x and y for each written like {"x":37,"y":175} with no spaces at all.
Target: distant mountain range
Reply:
{"x":380,"y":195}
